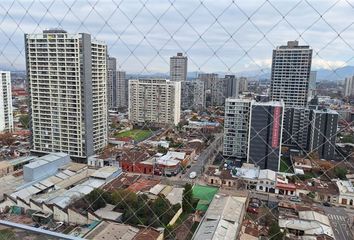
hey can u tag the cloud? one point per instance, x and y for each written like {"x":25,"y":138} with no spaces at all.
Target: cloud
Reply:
{"x":216,"y":35}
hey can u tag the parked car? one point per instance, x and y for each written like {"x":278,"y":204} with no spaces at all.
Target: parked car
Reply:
{"x":280,"y":197}
{"x":254,"y":205}
{"x":327,"y":204}
{"x":252,"y":210}
{"x":295,"y":199}
{"x":192,"y":175}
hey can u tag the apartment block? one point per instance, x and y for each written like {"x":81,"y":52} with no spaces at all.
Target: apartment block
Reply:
{"x":265,"y":134}
{"x":122,"y":90}
{"x":323,"y":133}
{"x":111,"y":83}
{"x":231,"y":86}
{"x":297,"y":127}
{"x":67,"y":76}
{"x":290,"y":76}
{"x":6,"y":111}
{"x":349,"y":87}
{"x":192,"y":95}
{"x":155,"y":101}
{"x":214,"y":89}
{"x":236,"y":127}
{"x":178,"y":67}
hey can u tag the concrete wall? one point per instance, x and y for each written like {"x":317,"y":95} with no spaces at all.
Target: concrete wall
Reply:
{"x":75,"y":217}
{"x":60,"y":215}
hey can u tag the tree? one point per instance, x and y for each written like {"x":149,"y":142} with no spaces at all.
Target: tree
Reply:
{"x":274,"y":232}
{"x":7,"y":139}
{"x":187,"y":198}
{"x":96,"y":198}
{"x":161,"y":149}
{"x":25,"y":120}
{"x":340,"y":172}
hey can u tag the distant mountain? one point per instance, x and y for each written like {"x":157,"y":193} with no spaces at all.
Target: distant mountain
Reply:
{"x":336,"y":74}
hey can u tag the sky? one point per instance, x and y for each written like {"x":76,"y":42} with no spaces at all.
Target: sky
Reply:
{"x":217,"y":36}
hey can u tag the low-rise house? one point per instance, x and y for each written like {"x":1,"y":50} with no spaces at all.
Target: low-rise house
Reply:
{"x":284,"y":187}
{"x":307,"y":224}
{"x":221,"y":178}
{"x":321,"y":191}
{"x":346,"y":193}
{"x":301,"y":162}
{"x":266,"y":181}
{"x":111,"y":230}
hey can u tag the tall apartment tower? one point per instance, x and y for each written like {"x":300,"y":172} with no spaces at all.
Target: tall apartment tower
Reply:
{"x":155,"y":101}
{"x":236,"y":127}
{"x":312,"y":85}
{"x":178,"y":67}
{"x":349,"y":87}
{"x":111,"y":83}
{"x":265,"y":134}
{"x":243,"y":84}
{"x":323,"y":132}
{"x":6,"y":111}
{"x":214,"y":89}
{"x":192,"y":96}
{"x":296,"y":127}
{"x":231,"y":86}
{"x":67,"y":76}
{"x":122,"y":89}
{"x":291,"y":66}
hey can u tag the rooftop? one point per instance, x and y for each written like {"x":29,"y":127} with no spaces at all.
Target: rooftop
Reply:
{"x":205,"y":194}
{"x":113,"y":231}
{"x":223,"y":218}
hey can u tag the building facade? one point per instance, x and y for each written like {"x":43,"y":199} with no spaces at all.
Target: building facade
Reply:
{"x":214,"y":89}
{"x":122,"y":90}
{"x":178,"y":67}
{"x":67,"y":76}
{"x":6,"y":111}
{"x":231,"y":86}
{"x":236,"y":127}
{"x":192,"y":95}
{"x":296,"y":127}
{"x":349,"y":87}
{"x":265,"y":134}
{"x":155,"y":101}
{"x":291,"y":66}
{"x":323,"y":132}
{"x":111,"y":83}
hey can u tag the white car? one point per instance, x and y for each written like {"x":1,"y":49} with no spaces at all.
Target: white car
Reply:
{"x":193,"y":175}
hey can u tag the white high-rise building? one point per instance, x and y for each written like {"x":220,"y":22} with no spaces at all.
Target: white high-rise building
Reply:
{"x":154,"y":101}
{"x":236,"y":127}
{"x":67,"y":75}
{"x":178,"y":67}
{"x":291,"y":66}
{"x":349,"y":86}
{"x":6,"y":111}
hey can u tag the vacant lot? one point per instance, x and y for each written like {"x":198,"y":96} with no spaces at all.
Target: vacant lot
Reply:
{"x":136,"y":134}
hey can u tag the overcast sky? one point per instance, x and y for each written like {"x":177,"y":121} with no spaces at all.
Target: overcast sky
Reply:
{"x":216,"y":35}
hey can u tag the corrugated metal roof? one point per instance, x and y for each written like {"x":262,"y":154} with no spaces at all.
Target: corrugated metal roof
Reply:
{"x":175,"y":196}
{"x":157,"y":189}
{"x":104,"y":172}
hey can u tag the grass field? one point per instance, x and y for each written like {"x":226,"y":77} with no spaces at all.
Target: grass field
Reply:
{"x":136,"y":134}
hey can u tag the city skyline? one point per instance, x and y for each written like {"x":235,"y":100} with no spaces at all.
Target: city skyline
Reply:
{"x":153,"y":42}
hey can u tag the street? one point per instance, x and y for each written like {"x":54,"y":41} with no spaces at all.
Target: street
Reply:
{"x":205,"y":157}
{"x":339,"y":221}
